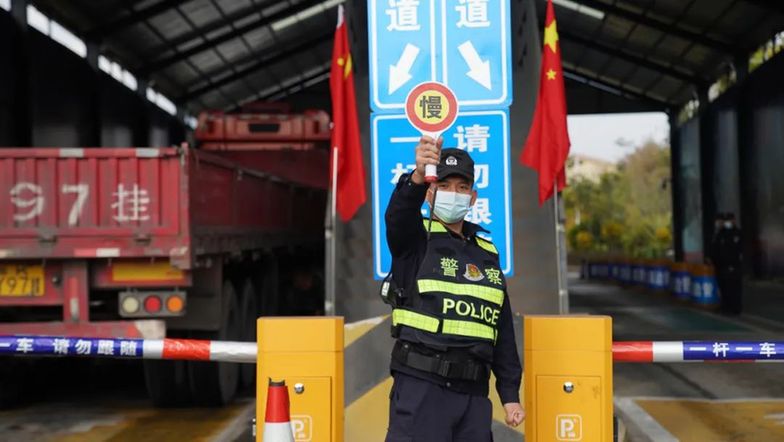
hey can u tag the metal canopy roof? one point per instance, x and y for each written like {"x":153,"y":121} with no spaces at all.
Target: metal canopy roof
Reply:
{"x":221,"y":53}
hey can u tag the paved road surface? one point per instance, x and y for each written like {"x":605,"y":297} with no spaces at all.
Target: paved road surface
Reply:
{"x":686,"y":401}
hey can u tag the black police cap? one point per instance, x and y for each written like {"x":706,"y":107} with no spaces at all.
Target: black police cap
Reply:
{"x":455,"y":162}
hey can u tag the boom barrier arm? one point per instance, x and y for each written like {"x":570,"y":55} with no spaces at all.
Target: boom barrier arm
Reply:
{"x":246,"y":352}
{"x":698,"y":351}
{"x":173,"y":349}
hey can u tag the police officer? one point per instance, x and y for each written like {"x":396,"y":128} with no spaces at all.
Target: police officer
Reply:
{"x":727,"y":255}
{"x":451,"y":314}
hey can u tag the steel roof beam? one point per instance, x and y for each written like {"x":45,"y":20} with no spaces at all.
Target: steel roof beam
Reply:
{"x":213,"y":26}
{"x":165,"y":62}
{"x":300,"y":84}
{"x":771,"y":5}
{"x":634,"y":59}
{"x":132,"y":18}
{"x":262,"y":61}
{"x":618,"y":89}
{"x":663,"y":27}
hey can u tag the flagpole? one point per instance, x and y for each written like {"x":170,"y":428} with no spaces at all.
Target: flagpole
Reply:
{"x":563,"y":294}
{"x":329,"y":233}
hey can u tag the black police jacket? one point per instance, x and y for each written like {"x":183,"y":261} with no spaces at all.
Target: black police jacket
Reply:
{"x":407,"y":240}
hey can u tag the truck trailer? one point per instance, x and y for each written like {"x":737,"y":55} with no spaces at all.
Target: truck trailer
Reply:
{"x":189,"y":242}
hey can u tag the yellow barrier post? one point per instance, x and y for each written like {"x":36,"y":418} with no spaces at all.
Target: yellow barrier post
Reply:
{"x":568,"y":378}
{"x":308,"y":354}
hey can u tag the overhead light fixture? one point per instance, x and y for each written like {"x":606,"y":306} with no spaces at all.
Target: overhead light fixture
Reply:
{"x":304,"y":15}
{"x":582,"y":9}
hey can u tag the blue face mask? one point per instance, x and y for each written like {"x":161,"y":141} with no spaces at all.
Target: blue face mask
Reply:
{"x":451,"y":207}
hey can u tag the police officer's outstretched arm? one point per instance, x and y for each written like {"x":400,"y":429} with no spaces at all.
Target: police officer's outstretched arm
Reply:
{"x":507,"y":368}
{"x":403,"y":217}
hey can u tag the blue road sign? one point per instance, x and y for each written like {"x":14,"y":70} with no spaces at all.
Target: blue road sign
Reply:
{"x":485,"y":135}
{"x":475,"y":52}
{"x":464,"y":44}
{"x":402,"y":50}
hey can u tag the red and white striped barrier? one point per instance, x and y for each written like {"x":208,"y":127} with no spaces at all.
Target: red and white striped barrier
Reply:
{"x":182,"y":349}
{"x":246,"y":352}
{"x":698,"y":351}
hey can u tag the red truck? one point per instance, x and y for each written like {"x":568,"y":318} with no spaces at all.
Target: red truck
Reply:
{"x":154,"y":242}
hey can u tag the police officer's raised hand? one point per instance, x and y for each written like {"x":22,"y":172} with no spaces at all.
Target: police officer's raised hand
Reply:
{"x":514,"y":413}
{"x":428,"y":151}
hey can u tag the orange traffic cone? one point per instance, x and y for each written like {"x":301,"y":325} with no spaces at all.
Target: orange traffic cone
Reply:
{"x":277,"y":422}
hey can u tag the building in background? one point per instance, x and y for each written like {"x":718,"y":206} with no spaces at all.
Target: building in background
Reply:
{"x":580,"y":166}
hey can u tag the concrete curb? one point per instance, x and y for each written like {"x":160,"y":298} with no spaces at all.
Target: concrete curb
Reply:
{"x":640,"y":426}
{"x":240,"y":427}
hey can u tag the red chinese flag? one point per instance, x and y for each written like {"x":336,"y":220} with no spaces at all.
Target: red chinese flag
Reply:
{"x":345,"y":130}
{"x":548,"y":140}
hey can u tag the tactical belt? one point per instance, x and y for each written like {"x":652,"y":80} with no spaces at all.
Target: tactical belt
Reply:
{"x":405,"y":354}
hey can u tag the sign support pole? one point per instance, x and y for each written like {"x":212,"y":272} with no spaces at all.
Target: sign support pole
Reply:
{"x":331,"y":242}
{"x":563,"y":293}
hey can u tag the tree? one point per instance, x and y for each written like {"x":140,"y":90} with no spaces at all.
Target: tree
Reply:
{"x":626,"y":211}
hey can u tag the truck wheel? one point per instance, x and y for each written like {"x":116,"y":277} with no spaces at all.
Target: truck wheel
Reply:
{"x":11,"y":385}
{"x":267,"y":281}
{"x":249,"y":312}
{"x":167,"y":383}
{"x":215,"y":383}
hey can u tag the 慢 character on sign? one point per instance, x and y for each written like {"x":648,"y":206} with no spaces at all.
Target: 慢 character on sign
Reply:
{"x":720,"y":347}
{"x":482,"y":176}
{"x":480,"y":212}
{"x":127,"y":348}
{"x":431,"y":106}
{"x":61,"y":346}
{"x":131,"y":205}
{"x":473,"y":14}
{"x":105,"y":347}
{"x":399,"y":170}
{"x":472,"y":138}
{"x":767,"y":349}
{"x":24,"y":345}
{"x":403,"y":15}
{"x":83,"y":347}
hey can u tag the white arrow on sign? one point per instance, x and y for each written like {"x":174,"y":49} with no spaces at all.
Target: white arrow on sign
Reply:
{"x":399,"y":73}
{"x":479,"y":70}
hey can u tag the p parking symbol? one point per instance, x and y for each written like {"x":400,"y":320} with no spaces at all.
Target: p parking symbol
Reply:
{"x":302,"y":426}
{"x":569,"y":427}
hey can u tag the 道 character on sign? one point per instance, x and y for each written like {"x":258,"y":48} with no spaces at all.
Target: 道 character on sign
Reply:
{"x":473,"y":14}
{"x":403,"y":15}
